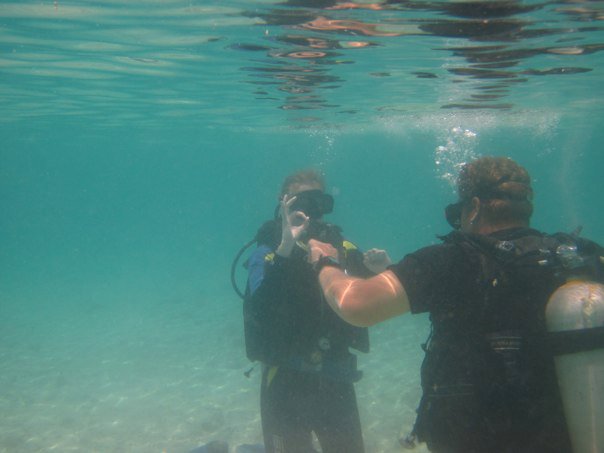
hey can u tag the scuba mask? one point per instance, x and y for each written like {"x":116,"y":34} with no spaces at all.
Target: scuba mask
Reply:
{"x":313,"y":203}
{"x":454,"y":211}
{"x":453,"y":214}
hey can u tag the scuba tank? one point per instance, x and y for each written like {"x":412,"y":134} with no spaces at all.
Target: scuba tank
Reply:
{"x":575,"y":322}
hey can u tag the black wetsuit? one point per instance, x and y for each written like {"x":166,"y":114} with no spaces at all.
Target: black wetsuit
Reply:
{"x":308,"y":371}
{"x":489,"y":385}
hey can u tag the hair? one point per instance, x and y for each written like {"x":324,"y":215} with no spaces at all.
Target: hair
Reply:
{"x":307,"y":176}
{"x":503,"y":187}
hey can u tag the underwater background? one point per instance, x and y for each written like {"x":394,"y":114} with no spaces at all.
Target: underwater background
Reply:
{"x":143,"y":143}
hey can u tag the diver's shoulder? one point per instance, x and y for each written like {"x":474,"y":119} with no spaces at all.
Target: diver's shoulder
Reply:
{"x":262,"y":253}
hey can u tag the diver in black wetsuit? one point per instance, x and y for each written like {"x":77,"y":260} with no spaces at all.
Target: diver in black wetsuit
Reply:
{"x":488,"y":378}
{"x":308,"y":371}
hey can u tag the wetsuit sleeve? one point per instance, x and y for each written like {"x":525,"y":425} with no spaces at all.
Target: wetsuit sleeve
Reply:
{"x":269,"y":272}
{"x":430,"y":276}
{"x":257,"y":267}
{"x":267,"y":289}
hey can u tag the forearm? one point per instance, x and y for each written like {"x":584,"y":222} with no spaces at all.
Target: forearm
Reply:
{"x":363,"y":302}
{"x":285,"y":248}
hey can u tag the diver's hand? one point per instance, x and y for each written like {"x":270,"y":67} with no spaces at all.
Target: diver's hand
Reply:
{"x":293,"y":224}
{"x":376,"y":260}
{"x":319,"y":249}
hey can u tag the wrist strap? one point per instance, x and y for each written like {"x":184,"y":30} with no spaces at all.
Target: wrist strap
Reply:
{"x":326,"y":261}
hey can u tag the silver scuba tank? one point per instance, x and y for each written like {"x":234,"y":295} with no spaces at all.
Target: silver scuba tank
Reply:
{"x":575,"y":320}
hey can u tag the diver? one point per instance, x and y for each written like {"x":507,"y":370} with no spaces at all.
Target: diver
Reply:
{"x":488,"y":376}
{"x":308,"y":370}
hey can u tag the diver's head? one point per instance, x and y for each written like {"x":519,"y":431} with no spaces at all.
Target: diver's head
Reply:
{"x":301,"y":181}
{"x":308,"y":186}
{"x":494,"y":193}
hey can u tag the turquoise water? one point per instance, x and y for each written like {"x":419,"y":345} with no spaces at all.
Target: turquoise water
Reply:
{"x":142,"y":143}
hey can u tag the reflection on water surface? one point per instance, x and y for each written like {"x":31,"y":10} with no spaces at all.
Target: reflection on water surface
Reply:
{"x":151,"y":61}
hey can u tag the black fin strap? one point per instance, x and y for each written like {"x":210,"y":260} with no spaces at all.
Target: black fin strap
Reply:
{"x":573,"y":341}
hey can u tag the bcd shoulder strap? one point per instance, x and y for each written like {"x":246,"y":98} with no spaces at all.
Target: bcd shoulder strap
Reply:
{"x":564,"y":253}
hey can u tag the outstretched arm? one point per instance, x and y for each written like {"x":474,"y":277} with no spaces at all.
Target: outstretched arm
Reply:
{"x":361,"y":302}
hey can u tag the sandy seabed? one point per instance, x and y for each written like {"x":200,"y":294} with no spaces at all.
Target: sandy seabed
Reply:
{"x":167,"y":379}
